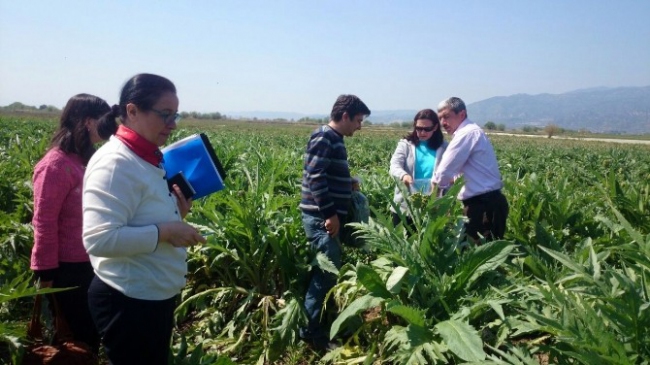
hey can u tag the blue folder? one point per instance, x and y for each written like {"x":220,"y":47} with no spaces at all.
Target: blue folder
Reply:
{"x":195,"y":157}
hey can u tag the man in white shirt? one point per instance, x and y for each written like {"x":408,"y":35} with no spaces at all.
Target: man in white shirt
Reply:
{"x":470,"y":153}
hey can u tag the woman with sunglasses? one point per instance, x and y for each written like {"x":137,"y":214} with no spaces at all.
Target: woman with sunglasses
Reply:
{"x":415,"y":160}
{"x":133,"y":227}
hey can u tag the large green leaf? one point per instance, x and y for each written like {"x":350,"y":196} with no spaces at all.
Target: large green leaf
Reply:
{"x":325,"y":264}
{"x":636,"y":235}
{"x":566,"y":261}
{"x":21,"y":286}
{"x":514,"y":356}
{"x":286,"y":331}
{"x":394,"y":282}
{"x":462,"y":339}
{"x":360,"y":304}
{"x":484,"y":258}
{"x":371,"y":280}
{"x":411,"y":315}
{"x":498,"y":252}
{"x":412,"y":345}
{"x":594,"y":264}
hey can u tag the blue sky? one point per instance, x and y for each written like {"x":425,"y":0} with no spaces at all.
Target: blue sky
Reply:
{"x":298,"y":56}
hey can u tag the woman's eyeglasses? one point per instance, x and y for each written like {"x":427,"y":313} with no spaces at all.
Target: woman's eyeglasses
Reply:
{"x":424,"y":129}
{"x":167,"y":117}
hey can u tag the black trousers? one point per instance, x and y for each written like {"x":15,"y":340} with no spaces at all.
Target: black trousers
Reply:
{"x":74,"y":303}
{"x":134,"y":331}
{"x":487,"y":215}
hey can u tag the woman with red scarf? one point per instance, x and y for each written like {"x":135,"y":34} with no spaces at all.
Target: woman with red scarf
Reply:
{"x":133,"y":227}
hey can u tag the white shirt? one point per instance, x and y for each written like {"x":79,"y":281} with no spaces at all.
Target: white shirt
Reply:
{"x":469,"y":153}
{"x":123,"y":198}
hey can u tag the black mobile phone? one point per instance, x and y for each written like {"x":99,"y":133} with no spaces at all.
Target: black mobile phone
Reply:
{"x":180,"y":180}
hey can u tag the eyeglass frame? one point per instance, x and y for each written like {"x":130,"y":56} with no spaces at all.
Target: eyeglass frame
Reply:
{"x":165,"y":116}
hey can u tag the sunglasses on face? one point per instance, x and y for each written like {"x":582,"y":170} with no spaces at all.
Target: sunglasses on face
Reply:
{"x":424,"y":129}
{"x":167,"y":117}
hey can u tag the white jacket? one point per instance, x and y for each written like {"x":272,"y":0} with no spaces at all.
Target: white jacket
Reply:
{"x":124,"y":197}
{"x":403,"y":163}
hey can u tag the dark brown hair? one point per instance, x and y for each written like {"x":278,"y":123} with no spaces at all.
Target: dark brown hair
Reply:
{"x":350,"y":104}
{"x":72,"y":135}
{"x":436,"y":139}
{"x":143,"y":90}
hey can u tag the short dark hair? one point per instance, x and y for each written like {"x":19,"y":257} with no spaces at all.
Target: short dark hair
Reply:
{"x":72,"y":135}
{"x":350,"y":104}
{"x":143,"y":90}
{"x":436,"y":139}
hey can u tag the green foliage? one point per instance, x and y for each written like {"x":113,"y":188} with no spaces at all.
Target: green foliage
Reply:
{"x":18,"y":107}
{"x":197,"y":115}
{"x":462,"y":339}
{"x":529,"y":129}
{"x":10,"y":332}
{"x":568,"y":284}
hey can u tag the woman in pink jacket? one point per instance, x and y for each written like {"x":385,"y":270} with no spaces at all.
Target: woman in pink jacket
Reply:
{"x":58,"y":257}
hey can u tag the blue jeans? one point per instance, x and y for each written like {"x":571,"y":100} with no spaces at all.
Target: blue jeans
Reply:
{"x":320,"y":282}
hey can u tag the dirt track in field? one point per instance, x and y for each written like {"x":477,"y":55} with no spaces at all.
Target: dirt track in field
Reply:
{"x":609,"y":140}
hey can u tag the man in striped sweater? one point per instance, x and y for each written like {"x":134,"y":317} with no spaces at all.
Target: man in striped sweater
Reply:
{"x":326,"y":194}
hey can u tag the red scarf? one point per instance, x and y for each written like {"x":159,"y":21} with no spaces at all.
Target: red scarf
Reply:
{"x":139,"y":145}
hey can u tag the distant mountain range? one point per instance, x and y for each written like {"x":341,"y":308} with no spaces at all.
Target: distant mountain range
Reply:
{"x":602,"y":110}
{"x":623,"y":110}
{"x":611,"y":110}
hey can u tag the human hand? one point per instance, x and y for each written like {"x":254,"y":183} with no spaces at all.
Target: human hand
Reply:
{"x":355,"y":185}
{"x":442,"y":189}
{"x":439,"y":190}
{"x":332,"y":225}
{"x":179,"y":234}
{"x":407,"y":180}
{"x":184,"y":205}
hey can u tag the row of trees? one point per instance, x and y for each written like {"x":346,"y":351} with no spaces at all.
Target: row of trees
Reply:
{"x":491,"y":126}
{"x":310,"y":120}
{"x":197,"y":115}
{"x":18,"y":107}
{"x":550,"y":130}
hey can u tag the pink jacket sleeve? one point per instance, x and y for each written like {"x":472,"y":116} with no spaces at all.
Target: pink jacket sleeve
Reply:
{"x":51,"y":186}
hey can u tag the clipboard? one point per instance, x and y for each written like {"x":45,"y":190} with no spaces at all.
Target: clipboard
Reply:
{"x":194,"y":156}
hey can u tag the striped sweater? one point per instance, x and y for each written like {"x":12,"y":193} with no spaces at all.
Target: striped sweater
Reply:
{"x":326,"y":181}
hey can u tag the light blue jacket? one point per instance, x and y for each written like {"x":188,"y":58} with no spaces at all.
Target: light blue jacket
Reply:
{"x":403,"y":163}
